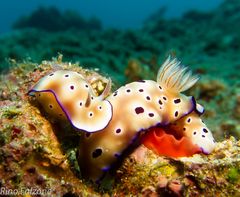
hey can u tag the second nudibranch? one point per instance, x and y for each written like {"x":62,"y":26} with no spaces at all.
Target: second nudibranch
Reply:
{"x":113,"y":123}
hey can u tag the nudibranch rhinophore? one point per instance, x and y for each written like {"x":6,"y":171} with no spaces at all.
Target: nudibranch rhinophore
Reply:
{"x":113,"y":123}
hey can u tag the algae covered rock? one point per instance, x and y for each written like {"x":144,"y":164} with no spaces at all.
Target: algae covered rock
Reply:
{"x":147,"y":174}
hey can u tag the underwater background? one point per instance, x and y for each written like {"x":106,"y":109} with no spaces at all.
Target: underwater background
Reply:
{"x":112,"y":14}
{"x":127,"y":41}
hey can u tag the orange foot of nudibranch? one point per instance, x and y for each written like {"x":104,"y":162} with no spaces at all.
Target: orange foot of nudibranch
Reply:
{"x":162,"y":143}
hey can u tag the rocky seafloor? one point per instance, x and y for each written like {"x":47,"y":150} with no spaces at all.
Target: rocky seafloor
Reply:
{"x":37,"y":152}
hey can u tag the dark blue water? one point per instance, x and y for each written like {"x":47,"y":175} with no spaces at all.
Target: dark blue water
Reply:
{"x":118,"y":14}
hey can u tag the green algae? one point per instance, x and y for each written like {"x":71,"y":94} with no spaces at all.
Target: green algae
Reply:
{"x":11,"y":112}
{"x":234,"y":175}
{"x":163,"y":168}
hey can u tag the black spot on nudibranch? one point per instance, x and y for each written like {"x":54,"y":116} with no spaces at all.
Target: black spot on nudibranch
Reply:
{"x":189,"y":120}
{"x":72,"y":87}
{"x":80,"y":103}
{"x":90,"y":114}
{"x":50,"y":106}
{"x":203,"y":135}
{"x":176,"y":101}
{"x":176,"y":113}
{"x":128,"y":90}
{"x":97,"y":152}
{"x":148,"y":98}
{"x":194,"y":133}
{"x":140,"y":90}
{"x":86,"y":86}
{"x":164,"y":98}
{"x":51,"y":74}
{"x":139,"y":110}
{"x":66,"y":75}
{"x":99,"y":107}
{"x":151,"y":114}
{"x":205,"y":130}
{"x":160,"y":102}
{"x":184,"y":129}
{"x":115,"y":93}
{"x":160,"y":87}
{"x":118,"y":130}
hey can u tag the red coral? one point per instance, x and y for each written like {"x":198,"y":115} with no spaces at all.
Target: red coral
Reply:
{"x":161,"y":142}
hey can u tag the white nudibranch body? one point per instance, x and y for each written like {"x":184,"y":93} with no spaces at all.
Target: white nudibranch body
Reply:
{"x":194,"y":129}
{"x":113,"y":123}
{"x":67,"y":94}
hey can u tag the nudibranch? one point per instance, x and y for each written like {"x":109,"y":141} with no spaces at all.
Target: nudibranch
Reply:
{"x":66,"y":94}
{"x":113,"y":123}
